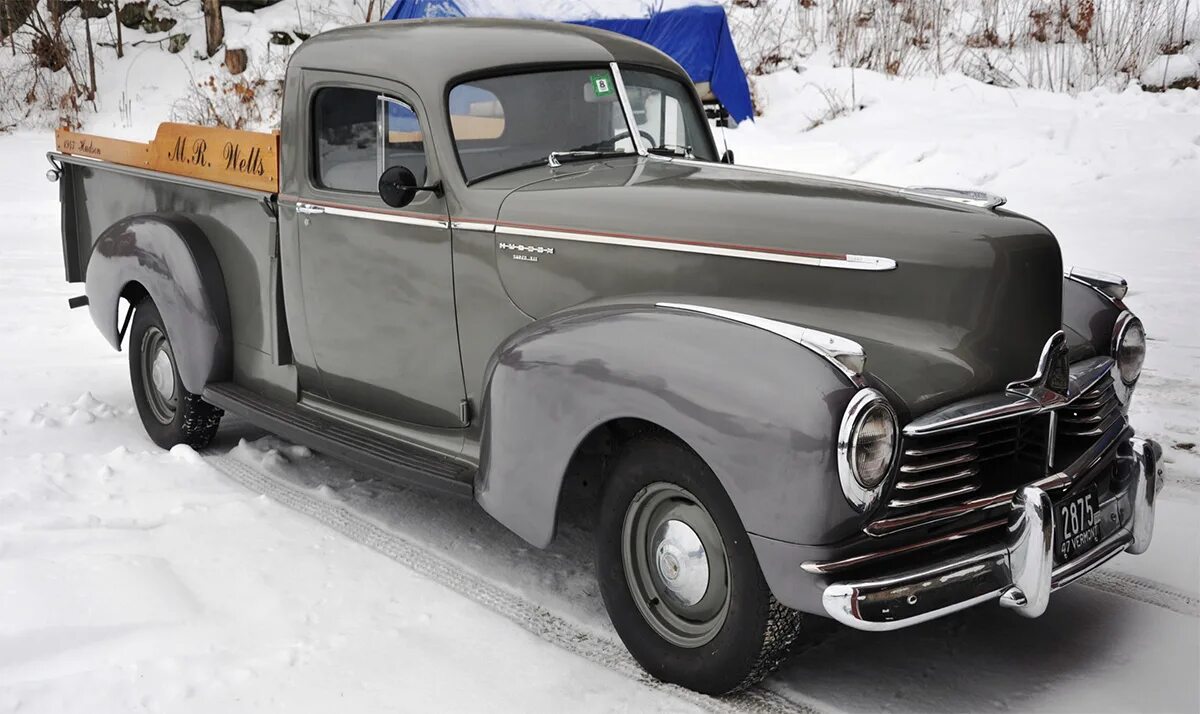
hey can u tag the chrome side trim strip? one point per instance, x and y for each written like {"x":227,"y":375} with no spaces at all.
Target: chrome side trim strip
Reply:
{"x":849,"y":262}
{"x":385,"y":217}
{"x":473,"y":226}
{"x":844,"y":354}
{"x":627,"y":109}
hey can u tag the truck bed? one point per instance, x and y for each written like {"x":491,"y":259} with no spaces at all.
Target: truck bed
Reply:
{"x":105,"y":180}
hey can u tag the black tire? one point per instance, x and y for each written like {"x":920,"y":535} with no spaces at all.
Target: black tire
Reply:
{"x":726,"y":652}
{"x":180,"y":417}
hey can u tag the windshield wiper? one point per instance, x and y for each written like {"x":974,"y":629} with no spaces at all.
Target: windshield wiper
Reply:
{"x":509,"y":169}
{"x":684,"y":152}
{"x":557,"y":157}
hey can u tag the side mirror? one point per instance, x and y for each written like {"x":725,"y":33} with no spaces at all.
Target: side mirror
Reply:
{"x":398,"y":187}
{"x":727,"y":157}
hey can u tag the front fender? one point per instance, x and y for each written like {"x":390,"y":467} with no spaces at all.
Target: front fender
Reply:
{"x":1089,"y":318}
{"x":762,"y":412}
{"x":170,"y":257}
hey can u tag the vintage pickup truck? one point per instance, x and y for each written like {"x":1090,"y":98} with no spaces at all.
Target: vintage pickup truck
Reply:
{"x":506,"y":259}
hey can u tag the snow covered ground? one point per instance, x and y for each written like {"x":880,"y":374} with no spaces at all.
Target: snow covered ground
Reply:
{"x":137,"y":580}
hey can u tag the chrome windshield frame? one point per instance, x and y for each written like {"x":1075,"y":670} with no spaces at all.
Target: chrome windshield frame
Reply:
{"x":627,"y":108}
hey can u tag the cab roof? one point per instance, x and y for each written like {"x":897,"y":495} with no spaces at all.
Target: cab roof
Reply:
{"x":429,"y":54}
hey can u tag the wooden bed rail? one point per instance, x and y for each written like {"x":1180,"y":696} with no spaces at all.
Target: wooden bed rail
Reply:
{"x":247,"y":159}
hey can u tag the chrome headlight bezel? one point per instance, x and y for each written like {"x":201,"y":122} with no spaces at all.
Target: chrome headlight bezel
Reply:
{"x":863,"y":491}
{"x":1126,"y":325}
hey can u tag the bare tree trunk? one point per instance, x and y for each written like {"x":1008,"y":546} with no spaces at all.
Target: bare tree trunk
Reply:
{"x":214,"y":26}
{"x":117,"y":17}
{"x":87,"y":31}
{"x":370,"y":9}
{"x":10,"y":25}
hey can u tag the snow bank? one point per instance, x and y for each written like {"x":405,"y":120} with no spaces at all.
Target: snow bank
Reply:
{"x":1167,"y":70}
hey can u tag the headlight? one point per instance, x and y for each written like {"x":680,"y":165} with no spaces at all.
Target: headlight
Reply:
{"x":1129,"y":347}
{"x":867,"y":443}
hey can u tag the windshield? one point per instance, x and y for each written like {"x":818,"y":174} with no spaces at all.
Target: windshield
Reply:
{"x":667,"y":117}
{"x":501,"y":124}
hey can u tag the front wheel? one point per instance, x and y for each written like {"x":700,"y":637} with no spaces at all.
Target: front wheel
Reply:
{"x":170,"y":413}
{"x":679,"y":577}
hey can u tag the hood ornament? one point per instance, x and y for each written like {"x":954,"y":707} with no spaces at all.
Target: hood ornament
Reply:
{"x":1051,"y":382}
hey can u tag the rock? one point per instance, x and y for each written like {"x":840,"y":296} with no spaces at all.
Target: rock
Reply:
{"x":94,"y":9}
{"x":281,"y":38}
{"x":154,"y":23}
{"x":247,"y":5}
{"x":132,"y":14}
{"x":176,"y":42}
{"x":1171,"y":72}
{"x":235,"y":61}
{"x":302,"y":36}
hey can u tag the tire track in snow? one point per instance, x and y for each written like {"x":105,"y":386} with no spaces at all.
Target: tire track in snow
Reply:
{"x":1142,"y":590}
{"x":524,"y":613}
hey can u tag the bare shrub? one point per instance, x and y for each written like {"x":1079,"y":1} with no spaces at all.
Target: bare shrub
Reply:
{"x":43,"y":81}
{"x":250,"y":100}
{"x":1064,"y":45}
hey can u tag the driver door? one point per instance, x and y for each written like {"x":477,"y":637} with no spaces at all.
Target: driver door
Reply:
{"x":377,"y":282}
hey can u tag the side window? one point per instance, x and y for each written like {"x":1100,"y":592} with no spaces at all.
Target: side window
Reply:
{"x":405,"y":145}
{"x":346,"y":127}
{"x":346,"y":139}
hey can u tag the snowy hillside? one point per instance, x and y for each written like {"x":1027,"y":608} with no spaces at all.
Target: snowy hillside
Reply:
{"x":262,"y":577}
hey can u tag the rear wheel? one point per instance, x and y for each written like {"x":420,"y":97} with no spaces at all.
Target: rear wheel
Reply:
{"x":679,"y":577}
{"x":170,"y":414}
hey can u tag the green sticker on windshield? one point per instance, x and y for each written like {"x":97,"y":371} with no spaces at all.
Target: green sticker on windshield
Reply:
{"x":602,"y":84}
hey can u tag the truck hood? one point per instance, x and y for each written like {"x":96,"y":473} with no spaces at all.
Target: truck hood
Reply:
{"x":974,"y":295}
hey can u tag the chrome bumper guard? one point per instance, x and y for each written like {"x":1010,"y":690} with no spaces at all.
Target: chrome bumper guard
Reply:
{"x":1020,"y":574}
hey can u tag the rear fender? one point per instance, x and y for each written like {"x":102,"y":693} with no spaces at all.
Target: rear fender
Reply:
{"x":761,"y":410}
{"x":169,"y":256}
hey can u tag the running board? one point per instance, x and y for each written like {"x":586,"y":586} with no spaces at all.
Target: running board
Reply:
{"x":360,"y":447}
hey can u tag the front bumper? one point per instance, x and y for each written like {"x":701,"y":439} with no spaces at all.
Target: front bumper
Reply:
{"x":1020,"y":573}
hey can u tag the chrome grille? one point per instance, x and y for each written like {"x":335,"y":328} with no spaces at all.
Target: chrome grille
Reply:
{"x":1092,"y":413}
{"x":941,"y":468}
{"x":951,"y":465}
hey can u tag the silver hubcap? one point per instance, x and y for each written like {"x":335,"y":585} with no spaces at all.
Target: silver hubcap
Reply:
{"x":682,"y":562}
{"x":158,"y":375}
{"x":162,"y":373}
{"x":675,"y":564}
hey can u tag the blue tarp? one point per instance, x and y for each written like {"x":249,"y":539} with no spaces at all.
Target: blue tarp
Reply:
{"x":697,"y":37}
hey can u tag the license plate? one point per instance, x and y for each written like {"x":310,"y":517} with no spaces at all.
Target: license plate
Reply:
{"x":1077,"y":523}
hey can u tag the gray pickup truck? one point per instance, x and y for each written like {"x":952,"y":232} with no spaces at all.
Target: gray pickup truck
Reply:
{"x":507,"y":260}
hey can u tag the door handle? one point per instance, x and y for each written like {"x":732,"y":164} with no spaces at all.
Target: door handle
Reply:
{"x":309,"y":208}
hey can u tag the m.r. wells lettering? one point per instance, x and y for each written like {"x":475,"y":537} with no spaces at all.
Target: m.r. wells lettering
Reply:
{"x":246,"y":162}
{"x":194,"y":153}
